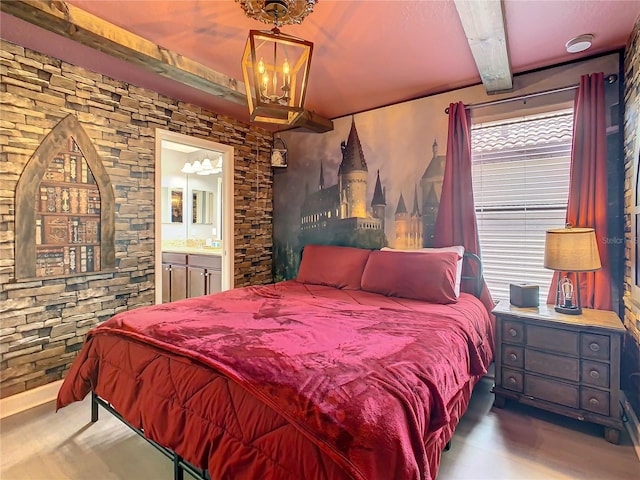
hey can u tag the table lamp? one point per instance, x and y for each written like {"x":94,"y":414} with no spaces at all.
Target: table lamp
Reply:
{"x":569,"y":250}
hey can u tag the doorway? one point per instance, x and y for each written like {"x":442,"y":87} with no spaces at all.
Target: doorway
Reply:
{"x":193,"y":202}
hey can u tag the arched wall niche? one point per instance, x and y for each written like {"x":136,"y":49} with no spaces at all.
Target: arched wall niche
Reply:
{"x":80,"y":215}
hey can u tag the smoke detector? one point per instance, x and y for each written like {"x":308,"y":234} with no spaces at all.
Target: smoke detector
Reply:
{"x":579,"y":43}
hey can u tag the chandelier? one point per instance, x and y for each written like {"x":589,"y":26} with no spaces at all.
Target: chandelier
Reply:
{"x":276,"y":66}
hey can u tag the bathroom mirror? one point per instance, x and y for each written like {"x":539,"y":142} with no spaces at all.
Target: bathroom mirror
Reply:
{"x":202,"y":207}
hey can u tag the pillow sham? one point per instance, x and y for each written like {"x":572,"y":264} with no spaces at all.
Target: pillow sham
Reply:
{"x":339,"y":267}
{"x":459,"y":249}
{"x":412,"y":275}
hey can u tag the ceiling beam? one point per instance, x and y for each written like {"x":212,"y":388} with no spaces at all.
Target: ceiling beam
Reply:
{"x":76,"y":24}
{"x":484,"y":26}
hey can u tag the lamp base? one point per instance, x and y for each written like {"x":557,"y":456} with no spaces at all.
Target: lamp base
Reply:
{"x":573,"y":310}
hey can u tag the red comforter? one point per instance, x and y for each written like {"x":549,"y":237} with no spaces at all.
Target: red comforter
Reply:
{"x":362,"y":377}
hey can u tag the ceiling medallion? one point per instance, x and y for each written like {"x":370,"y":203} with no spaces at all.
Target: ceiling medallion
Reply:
{"x":286,"y":12}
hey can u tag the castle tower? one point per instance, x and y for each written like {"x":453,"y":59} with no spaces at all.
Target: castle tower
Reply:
{"x":429,"y":215}
{"x":401,"y":225}
{"x":431,"y":187}
{"x":378,"y":202}
{"x":415,"y":224}
{"x":352,"y":176}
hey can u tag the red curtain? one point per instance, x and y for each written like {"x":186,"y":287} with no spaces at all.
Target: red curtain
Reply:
{"x":456,"y":221}
{"x":587,"y":205}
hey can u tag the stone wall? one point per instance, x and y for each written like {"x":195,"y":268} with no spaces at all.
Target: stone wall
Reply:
{"x":43,"y":322}
{"x":631,"y":349}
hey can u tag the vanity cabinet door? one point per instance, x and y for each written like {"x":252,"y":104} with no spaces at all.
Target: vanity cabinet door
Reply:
{"x":166,"y":282}
{"x":214,"y":281}
{"x":178,"y":282}
{"x":197,"y":281}
{"x":205,"y":274}
{"x":174,"y":277}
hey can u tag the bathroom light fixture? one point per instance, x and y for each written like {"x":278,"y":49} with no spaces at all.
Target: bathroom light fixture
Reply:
{"x":203,"y":168}
{"x":579,"y":43}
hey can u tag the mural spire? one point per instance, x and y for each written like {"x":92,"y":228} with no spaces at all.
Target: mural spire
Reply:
{"x":402,"y":208}
{"x":321,"y":183}
{"x":416,"y":210}
{"x":352,"y":155}
{"x":378,"y":194}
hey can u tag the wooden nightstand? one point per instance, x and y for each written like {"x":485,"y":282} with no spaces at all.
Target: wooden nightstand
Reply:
{"x":567,"y":364}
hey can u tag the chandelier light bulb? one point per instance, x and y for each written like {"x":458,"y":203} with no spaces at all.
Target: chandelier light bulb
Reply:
{"x":286,"y":76}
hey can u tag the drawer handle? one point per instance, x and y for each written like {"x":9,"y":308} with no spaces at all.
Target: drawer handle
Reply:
{"x":594,"y":402}
{"x":594,"y":347}
{"x":513,"y":357}
{"x":512,"y":380}
{"x":594,"y":374}
{"x":513,"y":332}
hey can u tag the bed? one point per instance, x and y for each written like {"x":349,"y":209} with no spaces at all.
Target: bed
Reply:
{"x":359,"y":369}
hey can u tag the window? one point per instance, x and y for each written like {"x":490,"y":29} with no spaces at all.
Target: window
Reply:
{"x":520,"y":171}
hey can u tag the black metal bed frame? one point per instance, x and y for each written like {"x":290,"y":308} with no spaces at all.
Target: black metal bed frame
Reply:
{"x":468,"y":259}
{"x":180,"y":465}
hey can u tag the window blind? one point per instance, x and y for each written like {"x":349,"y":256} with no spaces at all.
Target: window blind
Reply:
{"x":520,"y":170}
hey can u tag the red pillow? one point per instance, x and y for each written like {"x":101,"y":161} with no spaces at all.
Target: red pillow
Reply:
{"x":412,"y":275}
{"x":339,"y":267}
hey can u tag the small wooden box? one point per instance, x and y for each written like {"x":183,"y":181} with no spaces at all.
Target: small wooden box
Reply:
{"x":524,"y":295}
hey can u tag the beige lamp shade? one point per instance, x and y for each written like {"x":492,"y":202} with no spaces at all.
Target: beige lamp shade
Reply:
{"x":571,"y":250}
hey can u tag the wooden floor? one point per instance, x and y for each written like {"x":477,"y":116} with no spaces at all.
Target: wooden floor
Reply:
{"x":512,"y":443}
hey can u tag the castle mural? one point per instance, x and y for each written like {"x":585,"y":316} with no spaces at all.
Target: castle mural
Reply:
{"x":338,"y":214}
{"x":355,"y":198}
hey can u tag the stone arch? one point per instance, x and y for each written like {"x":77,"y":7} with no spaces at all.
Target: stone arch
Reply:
{"x":27,"y":190}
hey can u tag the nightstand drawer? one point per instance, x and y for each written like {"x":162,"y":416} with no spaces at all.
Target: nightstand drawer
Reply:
{"x":595,"y":401}
{"x":512,"y":380}
{"x":552,"y":365}
{"x":512,"y":332}
{"x":595,"y":373}
{"x":553,"y":339}
{"x":513,"y":356}
{"x":551,"y":391}
{"x":595,"y":346}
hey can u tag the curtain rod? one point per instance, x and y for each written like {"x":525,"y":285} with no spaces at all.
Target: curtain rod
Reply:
{"x":609,"y":79}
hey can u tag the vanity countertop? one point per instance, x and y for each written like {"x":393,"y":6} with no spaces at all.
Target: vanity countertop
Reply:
{"x":194,"y":250}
